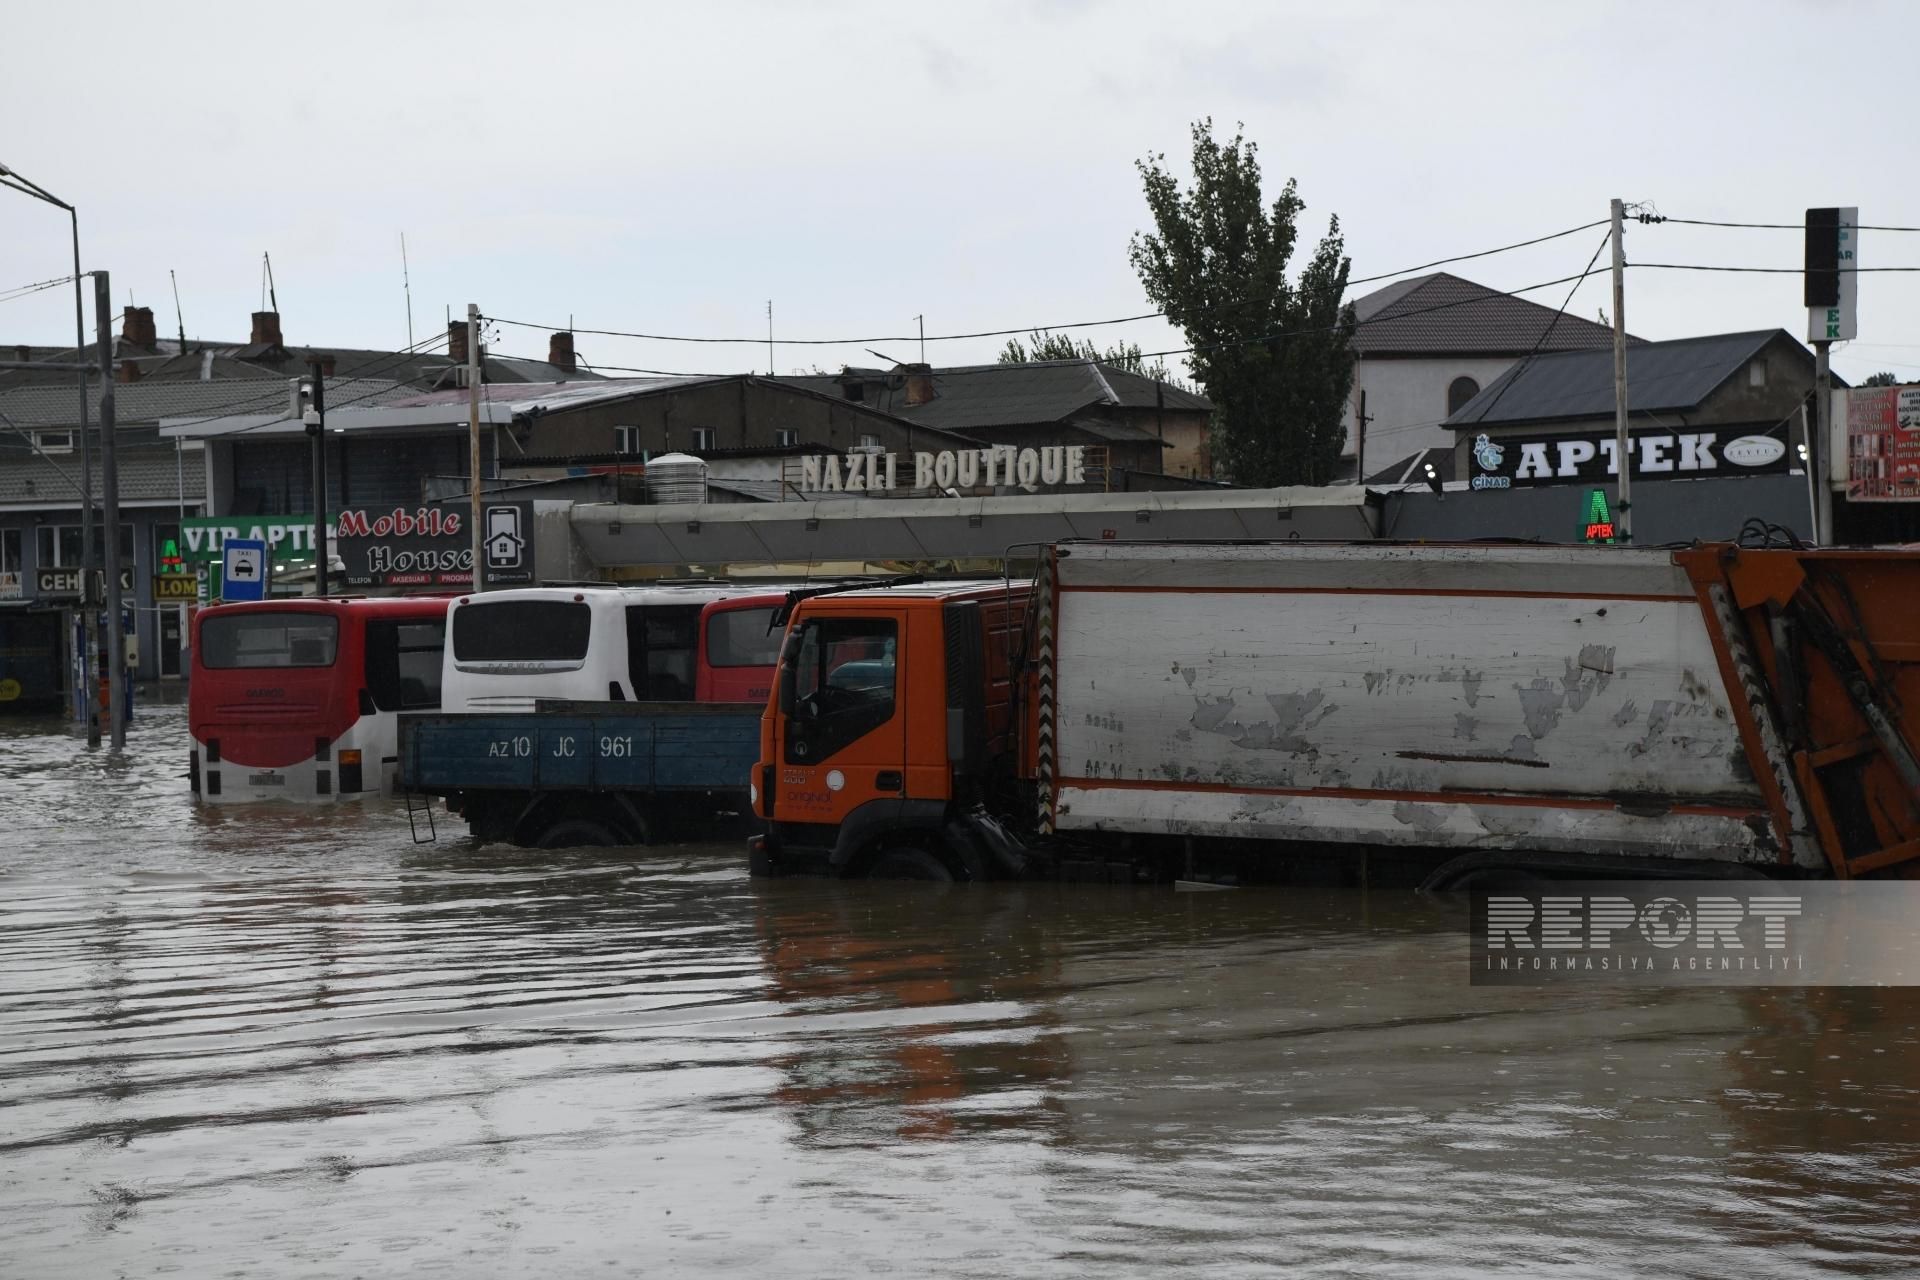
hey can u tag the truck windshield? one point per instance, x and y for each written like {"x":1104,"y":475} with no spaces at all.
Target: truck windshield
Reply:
{"x":840,"y":685}
{"x":740,"y":638}
{"x":269,"y":640}
{"x":522,"y":631}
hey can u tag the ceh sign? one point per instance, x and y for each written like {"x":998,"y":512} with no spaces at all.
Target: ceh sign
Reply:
{"x":1511,"y":463}
{"x":1001,"y":464}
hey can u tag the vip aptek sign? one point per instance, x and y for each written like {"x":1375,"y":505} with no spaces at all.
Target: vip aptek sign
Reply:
{"x":1518,"y":462}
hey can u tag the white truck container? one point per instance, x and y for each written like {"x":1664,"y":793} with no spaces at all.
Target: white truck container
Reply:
{"x":1554,"y":699}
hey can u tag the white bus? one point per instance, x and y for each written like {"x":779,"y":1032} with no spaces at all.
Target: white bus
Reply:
{"x":613,"y":643}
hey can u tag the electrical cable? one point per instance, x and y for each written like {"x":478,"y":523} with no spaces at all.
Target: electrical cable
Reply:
{"x":1652,"y":218}
{"x":23,"y":290}
{"x":423,"y":347}
{"x":1395,"y":318}
{"x":1520,"y":370}
{"x":1001,"y":333}
{"x":1771,"y":271}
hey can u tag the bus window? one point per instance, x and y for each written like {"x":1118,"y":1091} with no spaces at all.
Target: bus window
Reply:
{"x":269,"y":640}
{"x":522,"y":631}
{"x":741,"y":638}
{"x":403,"y":664}
{"x":660,"y":651}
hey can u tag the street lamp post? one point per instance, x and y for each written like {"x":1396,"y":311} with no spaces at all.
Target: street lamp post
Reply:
{"x":26,"y":186}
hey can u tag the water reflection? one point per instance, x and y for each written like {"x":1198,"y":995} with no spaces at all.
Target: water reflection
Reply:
{"x":287,"y":1040}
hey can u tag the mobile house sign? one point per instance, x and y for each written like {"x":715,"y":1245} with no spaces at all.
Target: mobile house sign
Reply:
{"x":1001,"y":464}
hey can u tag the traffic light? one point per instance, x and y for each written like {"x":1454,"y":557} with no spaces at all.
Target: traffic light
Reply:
{"x":1823,"y":258}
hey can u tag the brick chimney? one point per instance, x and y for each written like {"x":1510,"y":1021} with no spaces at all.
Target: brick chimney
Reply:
{"x":266,"y":329}
{"x":560,"y":351}
{"x":919,"y":383}
{"x":129,"y":371}
{"x":136,"y":327}
{"x":457,"y":341}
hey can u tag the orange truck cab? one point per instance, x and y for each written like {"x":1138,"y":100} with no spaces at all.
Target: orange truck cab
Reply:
{"x":890,"y":732}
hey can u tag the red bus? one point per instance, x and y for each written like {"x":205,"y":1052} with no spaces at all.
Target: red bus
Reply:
{"x":300,"y":699}
{"x":739,"y":649}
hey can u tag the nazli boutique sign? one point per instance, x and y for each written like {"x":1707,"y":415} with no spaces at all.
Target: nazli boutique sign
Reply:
{"x":1002,"y":464}
{"x":1519,"y":462}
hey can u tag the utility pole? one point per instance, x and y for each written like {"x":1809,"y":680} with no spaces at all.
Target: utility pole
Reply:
{"x":1623,"y":446}
{"x":316,"y":420}
{"x":89,"y":702}
{"x":473,"y":443}
{"x":1817,"y":442}
{"x":113,"y":646}
{"x":1360,"y":441}
{"x":769,"y":337}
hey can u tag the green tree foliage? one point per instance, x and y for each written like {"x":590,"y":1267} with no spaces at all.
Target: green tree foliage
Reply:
{"x":1274,"y":356}
{"x":1043,"y":344}
{"x":1882,"y":379}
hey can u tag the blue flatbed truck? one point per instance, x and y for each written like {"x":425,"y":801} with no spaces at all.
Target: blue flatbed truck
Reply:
{"x":586,"y":773}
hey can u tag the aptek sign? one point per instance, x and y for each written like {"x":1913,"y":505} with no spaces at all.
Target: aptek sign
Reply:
{"x":1832,"y":274}
{"x":287,"y":537}
{"x":432,"y":546}
{"x":1517,"y":462}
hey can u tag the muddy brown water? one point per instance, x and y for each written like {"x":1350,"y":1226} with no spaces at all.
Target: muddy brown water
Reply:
{"x":280,"y":1041}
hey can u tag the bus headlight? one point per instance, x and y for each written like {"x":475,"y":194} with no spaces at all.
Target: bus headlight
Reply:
{"x":753,"y":792}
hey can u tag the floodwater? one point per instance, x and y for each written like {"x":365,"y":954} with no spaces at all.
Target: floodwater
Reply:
{"x":289,"y":1042}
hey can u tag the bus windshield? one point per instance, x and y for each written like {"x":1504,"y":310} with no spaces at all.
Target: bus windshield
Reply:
{"x":522,"y":631}
{"x":269,"y":640}
{"x":742,"y":638}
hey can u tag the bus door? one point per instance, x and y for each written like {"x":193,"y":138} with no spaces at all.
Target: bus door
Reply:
{"x":843,"y":723}
{"x":661,"y":652}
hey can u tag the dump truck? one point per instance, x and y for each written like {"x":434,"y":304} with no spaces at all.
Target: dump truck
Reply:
{"x":1444,"y":714}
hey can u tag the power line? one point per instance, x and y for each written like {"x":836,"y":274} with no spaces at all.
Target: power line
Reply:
{"x":1001,"y":333}
{"x":1521,"y":369}
{"x":1395,"y":318}
{"x":1484,"y":253}
{"x":21,"y":291}
{"x":1651,"y":218}
{"x":399,"y":358}
{"x":1772,"y":271}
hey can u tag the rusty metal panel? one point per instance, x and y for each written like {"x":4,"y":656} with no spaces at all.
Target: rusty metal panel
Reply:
{"x":1222,"y":688}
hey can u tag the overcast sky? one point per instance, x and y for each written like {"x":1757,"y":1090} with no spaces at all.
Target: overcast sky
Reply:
{"x":669,"y":169}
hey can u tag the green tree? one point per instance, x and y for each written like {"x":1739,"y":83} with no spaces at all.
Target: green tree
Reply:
{"x":1274,"y":356}
{"x":1882,"y":379}
{"x":1043,"y":344}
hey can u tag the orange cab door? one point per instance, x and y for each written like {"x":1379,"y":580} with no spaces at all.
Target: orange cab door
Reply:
{"x":843,"y":715}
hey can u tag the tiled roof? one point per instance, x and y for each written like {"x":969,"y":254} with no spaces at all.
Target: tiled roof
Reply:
{"x":1441,"y":314}
{"x":1002,"y":395}
{"x":1662,"y":377}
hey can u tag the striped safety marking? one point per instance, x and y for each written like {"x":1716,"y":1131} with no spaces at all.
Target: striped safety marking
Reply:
{"x":1043,"y":699}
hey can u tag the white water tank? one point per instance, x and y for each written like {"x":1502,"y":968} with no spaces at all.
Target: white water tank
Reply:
{"x":676,"y":478}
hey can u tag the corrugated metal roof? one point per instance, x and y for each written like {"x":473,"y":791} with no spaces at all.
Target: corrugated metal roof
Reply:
{"x":1442,"y":314}
{"x":1662,"y":377}
{"x":145,"y":403}
{"x":146,"y":472}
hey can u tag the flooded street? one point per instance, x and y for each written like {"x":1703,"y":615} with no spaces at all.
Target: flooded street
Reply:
{"x":283,"y":1041}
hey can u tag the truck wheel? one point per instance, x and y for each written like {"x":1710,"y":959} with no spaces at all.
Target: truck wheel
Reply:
{"x":907,"y":863}
{"x":575,"y":833}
